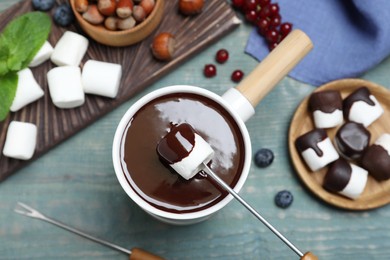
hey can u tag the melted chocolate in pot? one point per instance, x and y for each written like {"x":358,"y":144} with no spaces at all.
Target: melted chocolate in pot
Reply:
{"x":157,"y":183}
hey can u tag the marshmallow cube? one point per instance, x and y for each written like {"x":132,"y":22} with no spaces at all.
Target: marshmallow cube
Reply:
{"x":326,"y":107}
{"x":377,"y":158}
{"x":20,"y":141}
{"x":346,"y":179}
{"x":65,"y":86}
{"x":43,"y":55}
{"x":184,"y":150}
{"x":362,"y":107}
{"x":27,"y":90}
{"x":70,"y":49}
{"x":189,"y":166}
{"x":316,"y":149}
{"x":101,"y":78}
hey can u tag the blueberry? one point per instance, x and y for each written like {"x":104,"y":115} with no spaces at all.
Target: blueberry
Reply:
{"x":63,"y":15}
{"x":283,"y":199}
{"x":264,"y":157}
{"x":43,"y":5}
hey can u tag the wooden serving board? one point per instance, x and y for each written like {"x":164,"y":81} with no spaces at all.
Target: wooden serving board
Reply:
{"x":140,"y":69}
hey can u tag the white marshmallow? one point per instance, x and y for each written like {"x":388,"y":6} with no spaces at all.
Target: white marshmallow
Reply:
{"x":70,"y":49}
{"x":363,"y":113}
{"x":101,"y":78}
{"x":316,"y":162}
{"x":65,"y":86}
{"x":327,"y":120}
{"x":20,"y":141}
{"x":192,"y":164}
{"x":27,"y":91}
{"x":356,"y":183}
{"x":43,"y":55}
{"x":384,"y":141}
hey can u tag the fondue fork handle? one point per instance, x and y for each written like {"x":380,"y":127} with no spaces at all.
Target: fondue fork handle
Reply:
{"x":135,"y":253}
{"x":278,"y":63}
{"x":221,"y":183}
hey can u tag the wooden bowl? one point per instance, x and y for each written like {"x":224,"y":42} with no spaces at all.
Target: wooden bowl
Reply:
{"x":375,"y":194}
{"x":126,"y":37}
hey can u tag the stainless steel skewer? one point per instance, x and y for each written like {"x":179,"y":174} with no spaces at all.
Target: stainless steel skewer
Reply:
{"x":135,"y":253}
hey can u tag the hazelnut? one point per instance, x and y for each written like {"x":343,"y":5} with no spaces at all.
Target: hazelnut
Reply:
{"x":191,"y":7}
{"x":139,"y":13}
{"x":124,"y":8}
{"x":111,"y":23}
{"x":81,"y":6}
{"x":147,"y":5}
{"x":127,"y":23}
{"x":92,"y":15}
{"x":163,"y":46}
{"x":107,"y":7}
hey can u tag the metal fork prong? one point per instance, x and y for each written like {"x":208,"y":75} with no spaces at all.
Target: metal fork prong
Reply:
{"x":30,"y":211}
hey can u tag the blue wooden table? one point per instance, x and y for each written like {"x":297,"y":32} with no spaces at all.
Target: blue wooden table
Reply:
{"x":76,"y":184}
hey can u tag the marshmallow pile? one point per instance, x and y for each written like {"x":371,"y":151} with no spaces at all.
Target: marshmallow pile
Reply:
{"x":67,"y":85}
{"x":184,"y":150}
{"x":350,"y":157}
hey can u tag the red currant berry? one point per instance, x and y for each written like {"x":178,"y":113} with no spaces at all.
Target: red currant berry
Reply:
{"x":263,"y":25}
{"x":275,"y":20}
{"x":264,"y":12}
{"x":238,"y":3}
{"x":272,"y":45}
{"x":272,"y":36}
{"x":222,"y":56}
{"x":251,"y":16}
{"x":237,"y":75}
{"x":263,"y":3}
{"x":285,"y":28}
{"x":250,"y":5}
{"x":210,"y":70}
{"x":273,"y":9}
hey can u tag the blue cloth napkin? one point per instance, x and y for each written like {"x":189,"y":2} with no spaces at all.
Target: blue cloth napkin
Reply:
{"x":349,"y":37}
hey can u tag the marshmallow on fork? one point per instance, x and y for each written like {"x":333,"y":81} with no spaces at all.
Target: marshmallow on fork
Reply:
{"x":362,"y":107}
{"x":327,"y":108}
{"x":43,"y":55}
{"x":20,"y":141}
{"x":345,"y":178}
{"x":316,"y":149}
{"x":70,"y":49}
{"x":185,"y":151}
{"x":27,"y":90}
{"x":101,"y":78}
{"x":377,"y":158}
{"x":65,"y":86}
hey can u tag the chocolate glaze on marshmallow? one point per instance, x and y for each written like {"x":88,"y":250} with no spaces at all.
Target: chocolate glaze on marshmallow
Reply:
{"x":352,"y":140}
{"x":327,"y":108}
{"x":362,"y":107}
{"x":316,"y":149}
{"x":377,"y":158}
{"x":345,"y":178}
{"x":184,"y":150}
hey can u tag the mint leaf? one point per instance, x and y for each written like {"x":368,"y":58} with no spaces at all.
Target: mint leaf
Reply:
{"x":20,"y":41}
{"x":23,"y":37}
{"x":8,"y":84}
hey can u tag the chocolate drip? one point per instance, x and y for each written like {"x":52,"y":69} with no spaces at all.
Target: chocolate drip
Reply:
{"x":361,"y":94}
{"x":326,"y":101}
{"x":376,"y":161}
{"x":311,"y":140}
{"x":352,"y":140}
{"x":177,"y":144}
{"x":338,"y":175}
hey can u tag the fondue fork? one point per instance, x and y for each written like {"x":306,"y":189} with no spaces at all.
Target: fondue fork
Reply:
{"x":134,"y":253}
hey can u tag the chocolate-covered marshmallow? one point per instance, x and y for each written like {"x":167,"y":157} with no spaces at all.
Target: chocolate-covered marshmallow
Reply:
{"x":327,"y":108}
{"x":377,"y":158}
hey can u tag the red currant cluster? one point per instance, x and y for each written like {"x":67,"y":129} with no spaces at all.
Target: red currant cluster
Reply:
{"x":266,"y":17}
{"x":210,"y":70}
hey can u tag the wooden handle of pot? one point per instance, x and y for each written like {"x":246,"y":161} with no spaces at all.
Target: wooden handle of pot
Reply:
{"x":140,"y":254}
{"x":275,"y":66}
{"x":309,"y":256}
